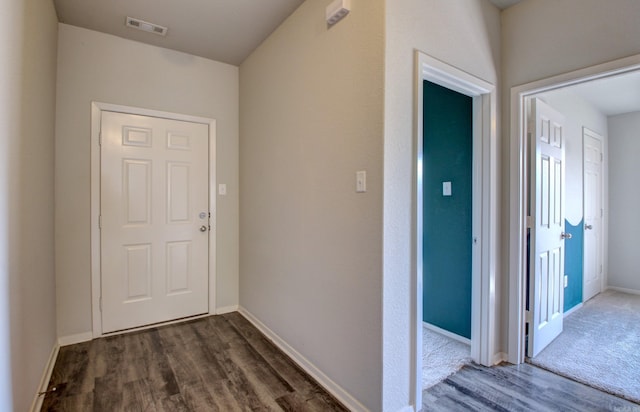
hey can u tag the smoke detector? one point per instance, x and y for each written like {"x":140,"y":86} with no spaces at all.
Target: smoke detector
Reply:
{"x":146,"y":26}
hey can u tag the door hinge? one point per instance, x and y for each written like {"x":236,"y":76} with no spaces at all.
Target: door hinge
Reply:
{"x":100,"y":304}
{"x":528,"y":316}
{"x":100,"y":139}
{"x":99,"y":221}
{"x":529,"y":222}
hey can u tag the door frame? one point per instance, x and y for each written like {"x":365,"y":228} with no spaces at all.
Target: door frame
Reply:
{"x":96,"y":113}
{"x":603,"y":166}
{"x":519,"y":175}
{"x":484,"y":214}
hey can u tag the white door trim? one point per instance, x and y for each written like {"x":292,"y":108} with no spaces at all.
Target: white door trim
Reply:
{"x":519,"y":199}
{"x":485,"y":202}
{"x":96,"y":110}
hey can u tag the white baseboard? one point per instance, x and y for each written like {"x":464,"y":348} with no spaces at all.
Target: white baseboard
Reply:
{"x":36,"y":405}
{"x":499,"y":358}
{"x":446,"y":333}
{"x":338,"y":392}
{"x":624,"y":290}
{"x":573,"y":309}
{"x":226,"y":309}
{"x":407,"y":409}
{"x":73,"y":339}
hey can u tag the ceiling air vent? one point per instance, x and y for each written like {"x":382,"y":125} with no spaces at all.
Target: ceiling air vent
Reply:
{"x":146,"y":26}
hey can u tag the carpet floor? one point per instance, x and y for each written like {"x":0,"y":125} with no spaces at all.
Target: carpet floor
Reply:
{"x":441,"y":357}
{"x":600,"y":345}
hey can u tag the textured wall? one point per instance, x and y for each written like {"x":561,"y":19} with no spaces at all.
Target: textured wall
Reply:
{"x":465,"y":34}
{"x":311,"y":116}
{"x":27,"y":120}
{"x":448,"y":157}
{"x":574,"y":264}
{"x":624,"y":198}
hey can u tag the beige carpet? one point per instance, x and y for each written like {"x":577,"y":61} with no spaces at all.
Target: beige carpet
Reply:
{"x":600,"y":345}
{"x":441,"y":357}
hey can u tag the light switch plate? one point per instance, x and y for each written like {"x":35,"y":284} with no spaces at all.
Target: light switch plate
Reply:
{"x":222,"y":189}
{"x":361,"y":181}
{"x":446,"y":188}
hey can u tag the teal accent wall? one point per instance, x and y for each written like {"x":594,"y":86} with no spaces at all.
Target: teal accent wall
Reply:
{"x":448,"y":147}
{"x":573,"y":264}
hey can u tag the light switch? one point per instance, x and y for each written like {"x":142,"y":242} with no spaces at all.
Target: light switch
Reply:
{"x":222,"y":189}
{"x":361,"y":181}
{"x":446,"y":188}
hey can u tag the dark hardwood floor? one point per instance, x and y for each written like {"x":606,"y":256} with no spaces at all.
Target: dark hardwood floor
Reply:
{"x":223,"y":363}
{"x":219,"y":363}
{"x":517,"y":388}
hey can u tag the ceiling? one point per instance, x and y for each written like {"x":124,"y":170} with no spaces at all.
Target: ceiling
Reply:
{"x":229,"y":30}
{"x":223,"y":30}
{"x":610,"y":96}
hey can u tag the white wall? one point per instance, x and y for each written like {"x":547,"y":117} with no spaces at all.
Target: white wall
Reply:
{"x":311,"y":116}
{"x":624,"y":198}
{"x":27,"y":112}
{"x":578,"y":113}
{"x":465,"y":34}
{"x":545,"y":38}
{"x":98,"y":67}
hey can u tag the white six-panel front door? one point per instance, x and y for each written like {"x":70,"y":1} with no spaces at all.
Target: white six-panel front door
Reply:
{"x":546,"y":286}
{"x":154,"y":220}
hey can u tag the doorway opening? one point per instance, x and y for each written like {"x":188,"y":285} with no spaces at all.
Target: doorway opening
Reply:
{"x":477,"y":321}
{"x":596,"y":129}
{"x":447,"y":176}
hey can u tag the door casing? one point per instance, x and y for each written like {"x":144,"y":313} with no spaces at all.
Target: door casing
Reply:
{"x":96,"y":112}
{"x":519,"y":175}
{"x":484,"y":215}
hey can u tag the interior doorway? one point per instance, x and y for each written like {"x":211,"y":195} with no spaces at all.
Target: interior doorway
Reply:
{"x":600,"y":105}
{"x":447,"y":178}
{"x":481,"y":326}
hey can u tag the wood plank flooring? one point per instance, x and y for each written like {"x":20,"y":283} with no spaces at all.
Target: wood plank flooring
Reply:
{"x":219,"y":363}
{"x":517,"y":388}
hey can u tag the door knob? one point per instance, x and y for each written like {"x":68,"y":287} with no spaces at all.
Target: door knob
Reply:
{"x":564,"y":235}
{"x":588,"y":227}
{"x":203,"y":228}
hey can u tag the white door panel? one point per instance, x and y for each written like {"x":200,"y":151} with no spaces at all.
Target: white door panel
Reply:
{"x":547,"y":243}
{"x":593,"y":211}
{"x":154,"y":202}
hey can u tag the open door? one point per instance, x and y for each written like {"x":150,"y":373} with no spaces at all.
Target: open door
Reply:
{"x":546,"y":285}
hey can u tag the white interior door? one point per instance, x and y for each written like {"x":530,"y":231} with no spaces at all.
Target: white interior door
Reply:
{"x":154,"y":220}
{"x":547,"y":233}
{"x":593,"y":214}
